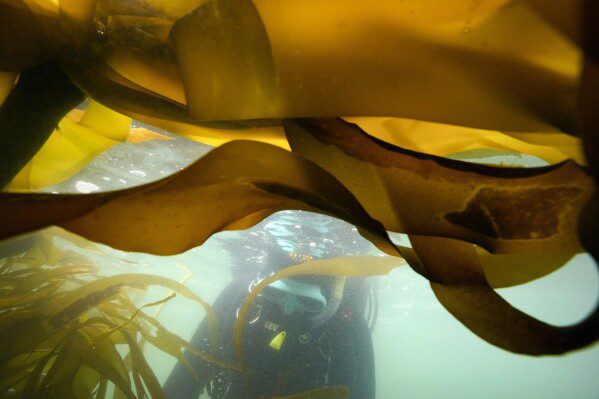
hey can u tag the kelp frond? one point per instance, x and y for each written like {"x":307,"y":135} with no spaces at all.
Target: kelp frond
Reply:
{"x":66,"y":331}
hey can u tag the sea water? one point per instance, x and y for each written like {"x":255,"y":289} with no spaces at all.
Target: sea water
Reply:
{"x":421,"y":351}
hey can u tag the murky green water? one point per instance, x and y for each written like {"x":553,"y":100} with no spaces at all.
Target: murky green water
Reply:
{"x":421,"y":351}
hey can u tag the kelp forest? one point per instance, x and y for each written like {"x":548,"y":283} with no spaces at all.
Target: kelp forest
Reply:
{"x":389,"y":116}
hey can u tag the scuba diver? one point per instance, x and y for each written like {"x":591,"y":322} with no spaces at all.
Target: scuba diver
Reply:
{"x":301,"y":333}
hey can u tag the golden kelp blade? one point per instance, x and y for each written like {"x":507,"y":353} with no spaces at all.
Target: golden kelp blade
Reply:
{"x":158,"y":74}
{"x":30,"y":114}
{"x":110,"y":88}
{"x":296,"y":58}
{"x":502,"y":270}
{"x":71,"y":146}
{"x":217,"y":136}
{"x":77,"y":20}
{"x":504,"y":210}
{"x":322,"y":393}
{"x":180,"y":212}
{"x":352,"y":58}
{"x":441,"y":140}
{"x":459,"y":283}
{"x":226,"y":62}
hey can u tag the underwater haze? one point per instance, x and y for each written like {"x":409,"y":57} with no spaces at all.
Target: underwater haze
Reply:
{"x":421,"y":350}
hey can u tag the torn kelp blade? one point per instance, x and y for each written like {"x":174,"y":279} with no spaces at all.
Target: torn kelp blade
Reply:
{"x":505,"y":210}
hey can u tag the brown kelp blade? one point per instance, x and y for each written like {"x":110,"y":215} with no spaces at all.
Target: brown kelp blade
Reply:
{"x":410,"y":192}
{"x":459,"y":282}
{"x":589,"y":124}
{"x":230,"y":183}
{"x":505,"y":210}
{"x":180,"y":212}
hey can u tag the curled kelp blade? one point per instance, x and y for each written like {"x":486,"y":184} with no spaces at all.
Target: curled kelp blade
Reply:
{"x":505,"y":210}
{"x":502,"y":270}
{"x":459,"y":282}
{"x":465,"y":290}
{"x":112,"y":89}
{"x":233,"y":186}
{"x":175,"y":214}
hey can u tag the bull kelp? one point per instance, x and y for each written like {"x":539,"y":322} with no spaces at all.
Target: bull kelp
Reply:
{"x":338,"y":107}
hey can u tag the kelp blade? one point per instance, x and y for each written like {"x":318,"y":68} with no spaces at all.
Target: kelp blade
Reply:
{"x":220,"y":193}
{"x":505,"y":210}
{"x":71,"y":146}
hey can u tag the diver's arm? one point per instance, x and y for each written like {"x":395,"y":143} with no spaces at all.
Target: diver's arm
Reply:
{"x":180,"y":383}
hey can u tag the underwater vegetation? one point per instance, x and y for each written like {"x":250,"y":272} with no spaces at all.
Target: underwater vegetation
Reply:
{"x":338,"y":107}
{"x":63,"y":322}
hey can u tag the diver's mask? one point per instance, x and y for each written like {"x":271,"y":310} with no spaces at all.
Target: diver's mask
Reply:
{"x":294,"y":295}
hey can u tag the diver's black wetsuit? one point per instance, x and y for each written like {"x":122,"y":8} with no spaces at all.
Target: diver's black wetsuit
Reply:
{"x":338,"y":353}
